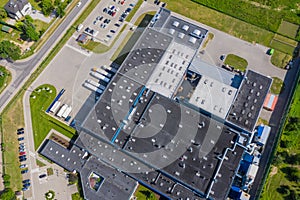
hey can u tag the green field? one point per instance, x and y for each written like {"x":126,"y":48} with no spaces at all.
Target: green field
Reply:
{"x":280,"y":59}
{"x":277,"y":85}
{"x":236,"y":62}
{"x":42,"y":123}
{"x":143,"y":193}
{"x":283,"y":182}
{"x":5,"y":78}
{"x":10,"y":121}
{"x":266,"y":14}
{"x":221,"y":21}
{"x":283,"y":47}
{"x":288,"y":29}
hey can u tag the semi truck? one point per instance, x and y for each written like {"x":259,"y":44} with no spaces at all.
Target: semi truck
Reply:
{"x":55,"y":107}
{"x":102,"y":71}
{"x":67,"y":112}
{"x":94,"y":83}
{"x":109,"y":68}
{"x":62,"y":110}
{"x":92,"y":87}
{"x":100,"y":76}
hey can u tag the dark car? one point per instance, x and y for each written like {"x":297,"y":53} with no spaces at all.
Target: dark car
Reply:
{"x":23,"y":156}
{"x":20,"y":129}
{"x":24,"y":189}
{"x":21,"y":138}
{"x":42,"y":176}
{"x":26,"y":181}
{"x":23,"y":166}
{"x":20,"y":132}
{"x":26,"y":185}
{"x":113,"y":31}
{"x":117,"y":25}
{"x":105,"y":10}
{"x":23,"y":159}
{"x":222,"y":57}
{"x":24,"y":171}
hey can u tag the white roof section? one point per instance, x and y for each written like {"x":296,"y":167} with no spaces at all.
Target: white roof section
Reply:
{"x":168,"y":74}
{"x":171,"y":31}
{"x":197,"y":32}
{"x":176,"y":23}
{"x":181,"y":35}
{"x":244,"y":196}
{"x":213,"y":96}
{"x":252,"y":171}
{"x":192,"y":40}
{"x":185,"y":27}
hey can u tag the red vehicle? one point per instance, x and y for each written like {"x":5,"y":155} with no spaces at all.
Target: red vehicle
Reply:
{"x":22,"y":153}
{"x":113,"y":13}
{"x":122,"y":2}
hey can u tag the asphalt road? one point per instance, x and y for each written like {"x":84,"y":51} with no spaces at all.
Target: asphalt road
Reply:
{"x":24,"y":68}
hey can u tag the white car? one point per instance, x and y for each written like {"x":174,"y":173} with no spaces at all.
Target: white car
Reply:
{"x":79,"y":3}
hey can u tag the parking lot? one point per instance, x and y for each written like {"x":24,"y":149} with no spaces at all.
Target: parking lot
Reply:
{"x":106,"y":20}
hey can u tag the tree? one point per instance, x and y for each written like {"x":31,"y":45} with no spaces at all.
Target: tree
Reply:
{"x":30,"y":31}
{"x":47,"y":7}
{"x":3,"y":13}
{"x":29,"y":19}
{"x":8,"y":194}
{"x":60,"y":10}
{"x":9,"y":50}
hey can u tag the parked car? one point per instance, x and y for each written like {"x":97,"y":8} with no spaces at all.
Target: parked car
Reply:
{"x":78,"y":4}
{"x":27,"y":185}
{"x":22,"y":153}
{"x":22,"y":150}
{"x":21,"y":139}
{"x":42,"y":176}
{"x":20,"y":129}
{"x":20,"y":132}
{"x":26,"y":181}
{"x":22,"y":159}
{"x":23,"y":156}
{"x":24,"y":189}
{"x":117,"y":25}
{"x":23,"y":166}
{"x":24,"y":171}
{"x":105,"y":10}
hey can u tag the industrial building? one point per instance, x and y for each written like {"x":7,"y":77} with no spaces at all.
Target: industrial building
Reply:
{"x":166,"y":120}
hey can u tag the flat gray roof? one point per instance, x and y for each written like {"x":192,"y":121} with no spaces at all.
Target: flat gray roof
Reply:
{"x":246,"y":108}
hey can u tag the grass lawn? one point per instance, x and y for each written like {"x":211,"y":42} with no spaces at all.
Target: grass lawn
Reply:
{"x":133,"y":11}
{"x":277,"y":85}
{"x":280,"y":59}
{"x":143,"y":193}
{"x":209,"y":37}
{"x":50,"y":171}
{"x":98,"y":47}
{"x":76,"y":196}
{"x":39,"y":163}
{"x":288,"y":29}
{"x":236,"y":61}
{"x":14,"y":35}
{"x":121,"y":51}
{"x":221,"y":21}
{"x":5,"y":79}
{"x":42,"y":123}
{"x":144,"y":19}
{"x":40,"y":25}
{"x":11,"y":121}
{"x":282,"y":46}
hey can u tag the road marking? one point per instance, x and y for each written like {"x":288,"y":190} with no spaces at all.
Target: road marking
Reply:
{"x":35,"y":170}
{"x":79,"y":50}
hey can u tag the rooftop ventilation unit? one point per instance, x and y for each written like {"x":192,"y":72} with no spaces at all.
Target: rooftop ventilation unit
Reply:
{"x":176,"y":23}
{"x":185,"y":27}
